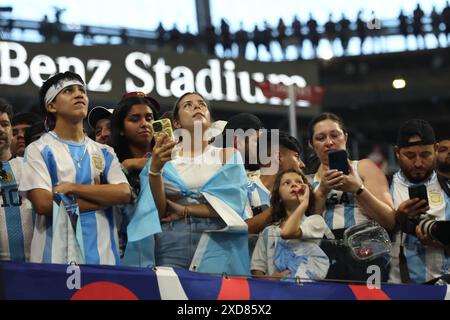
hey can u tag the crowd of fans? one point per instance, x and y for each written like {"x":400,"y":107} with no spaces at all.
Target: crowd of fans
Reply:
{"x":223,"y":41}
{"x":232,"y":199}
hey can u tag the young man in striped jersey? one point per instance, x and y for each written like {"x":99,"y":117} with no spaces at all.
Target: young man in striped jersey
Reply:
{"x":66,"y":161}
{"x":423,"y":258}
{"x":16,"y":223}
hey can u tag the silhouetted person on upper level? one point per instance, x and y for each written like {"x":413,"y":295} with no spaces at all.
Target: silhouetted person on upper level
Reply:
{"x":344,"y":33}
{"x":330,"y":31}
{"x":241,"y":38}
{"x":281,"y":36}
{"x":313,"y":34}
{"x":161,"y":35}
{"x":296,"y":27}
{"x":436,"y":21}
{"x":188,"y":40}
{"x":124,"y":36}
{"x":403,"y":26}
{"x":446,"y":19}
{"x":267,"y":38}
{"x":46,"y":29}
{"x":361,"y":30}
{"x":258,"y":40}
{"x":225,"y":37}
{"x":210,"y":39}
{"x":418,"y":14}
{"x":174,"y":38}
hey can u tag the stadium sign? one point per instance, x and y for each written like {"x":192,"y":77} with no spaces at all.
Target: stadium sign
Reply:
{"x":109,"y":71}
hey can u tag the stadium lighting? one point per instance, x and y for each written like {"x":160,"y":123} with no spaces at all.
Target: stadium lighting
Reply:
{"x":399,"y":83}
{"x":327,"y":54}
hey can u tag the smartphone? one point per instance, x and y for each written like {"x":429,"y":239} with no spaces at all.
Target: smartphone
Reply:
{"x":338,"y":159}
{"x":162,"y":125}
{"x":418,"y":191}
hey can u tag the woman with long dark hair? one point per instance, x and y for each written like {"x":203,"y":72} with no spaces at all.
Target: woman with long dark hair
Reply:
{"x":132,"y":140}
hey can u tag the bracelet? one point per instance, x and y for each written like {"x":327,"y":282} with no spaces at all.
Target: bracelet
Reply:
{"x":154,"y":174}
{"x":360,"y":190}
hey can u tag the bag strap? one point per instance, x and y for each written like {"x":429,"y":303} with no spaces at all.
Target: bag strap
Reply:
{"x":403,"y":263}
{"x":445,"y":277}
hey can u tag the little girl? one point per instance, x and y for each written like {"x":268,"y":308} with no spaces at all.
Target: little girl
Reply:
{"x":282,"y":249}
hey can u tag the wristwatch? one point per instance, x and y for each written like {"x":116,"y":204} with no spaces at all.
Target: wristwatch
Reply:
{"x":360,"y":190}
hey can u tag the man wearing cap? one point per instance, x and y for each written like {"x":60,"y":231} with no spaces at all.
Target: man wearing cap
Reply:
{"x":99,"y":119}
{"x":242,"y":132}
{"x":282,"y":154}
{"x":66,"y":161}
{"x":417,"y":257}
{"x":443,"y":163}
{"x":20,"y":123}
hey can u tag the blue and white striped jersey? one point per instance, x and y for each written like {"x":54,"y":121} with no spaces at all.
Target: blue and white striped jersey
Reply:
{"x":50,"y":161}
{"x":341,"y":209}
{"x":424,"y":262}
{"x":258,"y":194}
{"x":16,"y":219}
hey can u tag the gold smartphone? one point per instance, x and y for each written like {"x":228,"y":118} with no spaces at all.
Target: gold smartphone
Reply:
{"x":162,"y":125}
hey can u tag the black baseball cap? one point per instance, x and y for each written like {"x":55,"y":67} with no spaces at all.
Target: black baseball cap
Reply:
{"x":290,"y":142}
{"x":98,"y":113}
{"x":443,"y":134}
{"x":415,"y":128}
{"x":244,"y":121}
{"x":25,"y":118}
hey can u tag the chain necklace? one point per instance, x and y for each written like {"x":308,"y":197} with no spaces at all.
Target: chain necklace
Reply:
{"x":78,"y":161}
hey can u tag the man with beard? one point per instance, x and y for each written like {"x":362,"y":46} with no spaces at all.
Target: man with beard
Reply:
{"x":16,"y":221}
{"x":416,"y":256}
{"x":443,"y":163}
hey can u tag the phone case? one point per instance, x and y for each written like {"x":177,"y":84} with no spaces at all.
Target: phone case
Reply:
{"x":339,"y":160}
{"x":419,"y":191}
{"x":162,"y":125}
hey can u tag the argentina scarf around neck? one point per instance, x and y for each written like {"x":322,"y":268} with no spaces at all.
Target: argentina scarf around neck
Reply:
{"x":226,"y":192}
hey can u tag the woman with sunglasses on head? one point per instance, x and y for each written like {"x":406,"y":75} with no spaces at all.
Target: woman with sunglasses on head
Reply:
{"x":132,"y":140}
{"x":198,"y":188}
{"x":345,"y":200}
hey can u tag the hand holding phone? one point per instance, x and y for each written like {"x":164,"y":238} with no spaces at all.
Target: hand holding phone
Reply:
{"x":162,"y":125}
{"x":418,"y":191}
{"x":338,"y":159}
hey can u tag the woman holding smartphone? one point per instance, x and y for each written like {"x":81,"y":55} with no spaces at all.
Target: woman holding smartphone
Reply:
{"x":132,"y":140}
{"x":196,"y":189}
{"x":346,"y":200}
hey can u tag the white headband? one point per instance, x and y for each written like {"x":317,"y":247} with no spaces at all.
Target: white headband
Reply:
{"x":53,"y":91}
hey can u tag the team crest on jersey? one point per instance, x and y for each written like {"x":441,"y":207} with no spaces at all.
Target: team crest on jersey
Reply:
{"x":98,"y":163}
{"x":6,"y":177}
{"x":435,"y":197}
